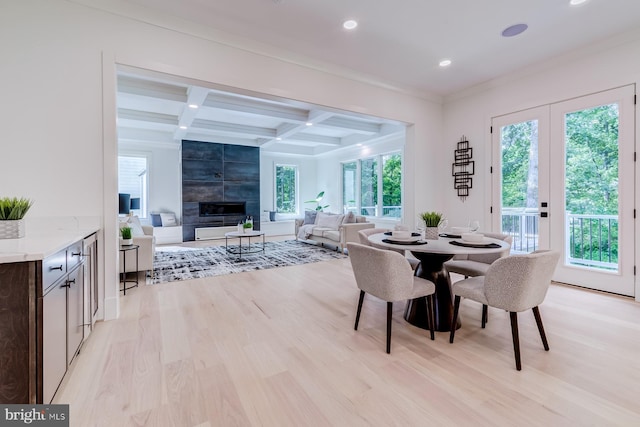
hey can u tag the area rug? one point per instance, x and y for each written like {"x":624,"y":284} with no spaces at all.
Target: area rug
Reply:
{"x":175,"y":263}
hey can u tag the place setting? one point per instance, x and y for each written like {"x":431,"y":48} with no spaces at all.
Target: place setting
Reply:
{"x":404,"y":237}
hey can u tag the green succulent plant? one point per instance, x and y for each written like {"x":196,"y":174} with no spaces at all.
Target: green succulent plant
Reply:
{"x":431,"y":219}
{"x":12,"y":208}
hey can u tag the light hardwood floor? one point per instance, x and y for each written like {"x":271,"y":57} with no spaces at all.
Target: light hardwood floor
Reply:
{"x":277,"y":348}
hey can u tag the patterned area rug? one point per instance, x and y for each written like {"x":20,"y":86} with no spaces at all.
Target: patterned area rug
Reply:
{"x":175,"y":263}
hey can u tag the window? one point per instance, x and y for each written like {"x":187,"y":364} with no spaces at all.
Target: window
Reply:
{"x":133,"y":180}
{"x":373,"y":186}
{"x":286,"y":189}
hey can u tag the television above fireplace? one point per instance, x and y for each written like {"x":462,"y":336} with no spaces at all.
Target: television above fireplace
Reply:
{"x":222,"y":208}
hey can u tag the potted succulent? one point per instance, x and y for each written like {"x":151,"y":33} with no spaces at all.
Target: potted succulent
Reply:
{"x":431,"y":221}
{"x":247,"y":226}
{"x":12,"y":212}
{"x":125,"y":232}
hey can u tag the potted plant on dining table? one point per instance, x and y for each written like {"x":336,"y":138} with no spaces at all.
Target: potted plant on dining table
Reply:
{"x":431,"y":221}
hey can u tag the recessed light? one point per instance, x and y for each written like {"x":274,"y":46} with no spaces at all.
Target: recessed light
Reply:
{"x":577,"y":2}
{"x":350,"y":24}
{"x":183,"y":127}
{"x":278,"y":139}
{"x":309,"y":124}
{"x":194,"y":106}
{"x":514,"y":30}
{"x":445,"y":63}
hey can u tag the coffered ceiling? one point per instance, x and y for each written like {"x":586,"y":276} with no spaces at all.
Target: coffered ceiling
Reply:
{"x":163,"y":111}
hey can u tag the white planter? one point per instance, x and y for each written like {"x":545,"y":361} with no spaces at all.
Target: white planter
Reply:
{"x":12,"y":229}
{"x":431,"y":233}
{"x":126,"y":242}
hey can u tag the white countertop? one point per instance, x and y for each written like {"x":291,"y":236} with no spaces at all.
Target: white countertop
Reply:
{"x":41,"y":242}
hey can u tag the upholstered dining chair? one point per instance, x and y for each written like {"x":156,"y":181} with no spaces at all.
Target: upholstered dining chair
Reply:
{"x":514,"y":283}
{"x":472,"y":265}
{"x":363,"y":235}
{"x":387,"y":275}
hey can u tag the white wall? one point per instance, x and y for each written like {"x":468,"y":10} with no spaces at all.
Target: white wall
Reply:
{"x":165,"y":175}
{"x":57,"y":113}
{"x":470,"y":115}
{"x":307,"y":175}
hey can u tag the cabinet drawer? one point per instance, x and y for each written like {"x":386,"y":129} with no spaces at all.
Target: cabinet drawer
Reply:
{"x":74,"y":255}
{"x":53,"y":268}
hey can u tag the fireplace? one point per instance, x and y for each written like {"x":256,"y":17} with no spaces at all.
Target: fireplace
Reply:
{"x":222,"y":208}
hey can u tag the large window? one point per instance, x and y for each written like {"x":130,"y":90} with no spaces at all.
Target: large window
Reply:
{"x":286,"y":189}
{"x":373,"y":186}
{"x":133,"y":180}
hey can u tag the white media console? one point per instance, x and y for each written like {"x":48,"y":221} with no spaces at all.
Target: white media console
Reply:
{"x":275,"y":228}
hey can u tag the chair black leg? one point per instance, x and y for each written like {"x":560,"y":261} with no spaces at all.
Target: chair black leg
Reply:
{"x":484,"y":314}
{"x":389,"y":311}
{"x":516,"y":339}
{"x":454,"y":320}
{"x":536,"y":314}
{"x":432,"y":317}
{"x":359,"y":309}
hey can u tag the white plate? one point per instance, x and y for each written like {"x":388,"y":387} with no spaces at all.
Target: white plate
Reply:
{"x":407,"y":239}
{"x":484,"y":241}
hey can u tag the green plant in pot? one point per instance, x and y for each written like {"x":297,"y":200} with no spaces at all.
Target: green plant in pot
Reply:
{"x":12,"y":212}
{"x":247,"y":226}
{"x":125,"y":232}
{"x":431,"y":221}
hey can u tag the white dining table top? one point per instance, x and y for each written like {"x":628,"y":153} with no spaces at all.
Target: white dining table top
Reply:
{"x":440,"y":246}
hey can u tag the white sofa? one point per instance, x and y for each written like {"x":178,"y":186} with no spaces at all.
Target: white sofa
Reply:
{"x":146,"y":251}
{"x":332,"y":229}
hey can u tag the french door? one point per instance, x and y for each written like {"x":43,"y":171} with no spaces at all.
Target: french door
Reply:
{"x":564,"y":179}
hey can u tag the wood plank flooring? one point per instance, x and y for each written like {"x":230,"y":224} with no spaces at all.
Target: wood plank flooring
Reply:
{"x":277,"y":348}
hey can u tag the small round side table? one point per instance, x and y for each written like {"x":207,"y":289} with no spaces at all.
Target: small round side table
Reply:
{"x":123,"y":253}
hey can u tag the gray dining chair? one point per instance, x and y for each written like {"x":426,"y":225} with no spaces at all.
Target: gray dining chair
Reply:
{"x":472,"y":265}
{"x":363,"y":235}
{"x":387,"y":275}
{"x":514,"y":283}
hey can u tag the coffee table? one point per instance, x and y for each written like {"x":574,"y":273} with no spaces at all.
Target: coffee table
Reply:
{"x":248,"y":249}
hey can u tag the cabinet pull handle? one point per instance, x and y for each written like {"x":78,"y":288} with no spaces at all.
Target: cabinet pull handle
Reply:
{"x":55,"y":268}
{"x":66,"y":285}
{"x":70,"y":282}
{"x":75,"y":254}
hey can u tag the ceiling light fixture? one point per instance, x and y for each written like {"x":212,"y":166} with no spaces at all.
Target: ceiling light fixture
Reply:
{"x":514,"y":30}
{"x":350,"y":24}
{"x":309,"y":124}
{"x":183,"y":127}
{"x":445,"y":63}
{"x":194,"y":106}
{"x":577,"y":2}
{"x":278,"y":139}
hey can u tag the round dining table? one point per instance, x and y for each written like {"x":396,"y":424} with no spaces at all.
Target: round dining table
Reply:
{"x":432,"y":255}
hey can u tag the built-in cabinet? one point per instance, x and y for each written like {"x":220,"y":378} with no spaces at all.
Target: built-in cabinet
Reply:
{"x":45,"y":318}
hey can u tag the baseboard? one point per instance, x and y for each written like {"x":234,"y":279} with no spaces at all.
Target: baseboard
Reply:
{"x":111,"y":308}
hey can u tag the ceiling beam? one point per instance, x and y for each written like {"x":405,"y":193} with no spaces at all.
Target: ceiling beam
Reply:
{"x":151,"y":89}
{"x":232,"y":128}
{"x":356,"y":126}
{"x":197,"y":96}
{"x":145,"y":116}
{"x":256,"y":107}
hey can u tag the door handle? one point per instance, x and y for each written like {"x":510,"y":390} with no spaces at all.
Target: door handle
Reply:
{"x":544,"y":214}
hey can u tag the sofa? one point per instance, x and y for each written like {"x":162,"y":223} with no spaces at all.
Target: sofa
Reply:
{"x":330,"y":228}
{"x":143,"y":237}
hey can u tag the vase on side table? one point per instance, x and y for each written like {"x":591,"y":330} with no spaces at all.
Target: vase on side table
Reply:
{"x":126,"y":242}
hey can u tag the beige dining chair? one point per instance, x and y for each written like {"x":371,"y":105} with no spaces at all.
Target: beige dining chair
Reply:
{"x":472,"y":265}
{"x":387,"y":275}
{"x":363,"y":235}
{"x":514,"y":283}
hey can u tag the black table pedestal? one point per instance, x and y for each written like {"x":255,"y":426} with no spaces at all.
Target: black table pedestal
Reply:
{"x":432,"y":268}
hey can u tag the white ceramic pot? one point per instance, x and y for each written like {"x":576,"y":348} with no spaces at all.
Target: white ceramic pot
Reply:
{"x":431,"y":233}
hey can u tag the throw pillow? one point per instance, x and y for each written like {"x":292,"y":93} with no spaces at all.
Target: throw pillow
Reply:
{"x":136,"y":227}
{"x":310,"y":217}
{"x":168,"y":219}
{"x":156,"y":221}
{"x":332,"y":221}
{"x":349,"y":218}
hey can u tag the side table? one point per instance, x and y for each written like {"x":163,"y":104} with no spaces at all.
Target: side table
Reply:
{"x":123,"y":250}
{"x":248,"y":249}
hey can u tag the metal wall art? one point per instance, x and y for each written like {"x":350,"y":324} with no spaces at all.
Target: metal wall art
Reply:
{"x":463,"y":168}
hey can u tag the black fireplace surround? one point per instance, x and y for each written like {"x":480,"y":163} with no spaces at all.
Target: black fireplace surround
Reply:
{"x":222,"y":208}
